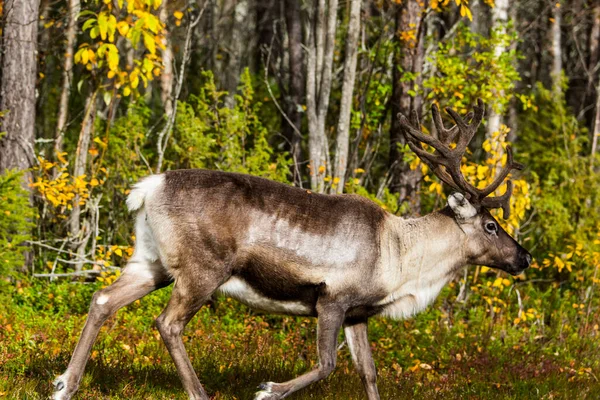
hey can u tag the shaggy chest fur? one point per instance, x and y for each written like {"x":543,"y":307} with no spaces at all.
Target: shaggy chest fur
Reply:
{"x":410,"y":299}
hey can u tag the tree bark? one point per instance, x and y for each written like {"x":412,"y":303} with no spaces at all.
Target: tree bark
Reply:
{"x":343,"y":128}
{"x":17,"y":87}
{"x":513,"y":108}
{"x":593,"y":58}
{"x":318,"y":87}
{"x":596,"y":131}
{"x":166,"y":78}
{"x":83,"y":144}
{"x":165,"y":133}
{"x":408,"y":58}
{"x":295,"y":87}
{"x":237,"y":44}
{"x":556,"y":49}
{"x":499,"y":20}
{"x":67,"y":74}
{"x":595,"y":39}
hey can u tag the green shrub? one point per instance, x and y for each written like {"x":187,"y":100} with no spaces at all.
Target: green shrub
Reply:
{"x":208,"y":134}
{"x":16,"y":215}
{"x":566,"y":197}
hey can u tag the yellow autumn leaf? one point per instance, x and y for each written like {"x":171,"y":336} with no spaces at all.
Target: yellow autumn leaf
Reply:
{"x":559,"y":263}
{"x":178,"y":14}
{"x":123,"y":28}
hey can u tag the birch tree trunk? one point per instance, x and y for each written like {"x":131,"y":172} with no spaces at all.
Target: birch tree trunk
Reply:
{"x":67,"y":74}
{"x":318,"y":87}
{"x":166,"y":78}
{"x":17,"y":85}
{"x":408,"y":58}
{"x":514,"y":106}
{"x":591,"y":92}
{"x":295,"y":87}
{"x":499,"y":20}
{"x":596,"y":131}
{"x":78,"y":235}
{"x":556,"y":49}
{"x":343,"y":127}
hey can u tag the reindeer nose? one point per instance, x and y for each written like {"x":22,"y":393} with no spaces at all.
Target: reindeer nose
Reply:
{"x":528,"y":259}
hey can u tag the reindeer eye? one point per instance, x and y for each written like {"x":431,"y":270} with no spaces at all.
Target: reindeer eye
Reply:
{"x":491,"y":227}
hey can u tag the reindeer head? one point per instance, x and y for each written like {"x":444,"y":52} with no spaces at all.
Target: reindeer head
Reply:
{"x":487,"y":243}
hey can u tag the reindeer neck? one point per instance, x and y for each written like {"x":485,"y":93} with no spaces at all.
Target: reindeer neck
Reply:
{"x":425,"y":248}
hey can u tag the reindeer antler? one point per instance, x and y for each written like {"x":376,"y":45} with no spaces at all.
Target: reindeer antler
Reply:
{"x":450,"y":159}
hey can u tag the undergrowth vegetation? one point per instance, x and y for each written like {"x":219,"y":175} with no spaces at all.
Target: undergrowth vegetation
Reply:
{"x":456,"y":349}
{"x":488,"y":335}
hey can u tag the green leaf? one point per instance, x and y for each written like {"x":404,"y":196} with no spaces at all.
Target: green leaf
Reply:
{"x":94,"y":32}
{"x":86,"y":12}
{"x":88,"y":24}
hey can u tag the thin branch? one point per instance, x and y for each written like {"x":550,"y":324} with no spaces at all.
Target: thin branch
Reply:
{"x":80,"y":273}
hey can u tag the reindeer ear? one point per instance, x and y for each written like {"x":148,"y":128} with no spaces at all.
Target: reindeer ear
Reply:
{"x":461,"y":206}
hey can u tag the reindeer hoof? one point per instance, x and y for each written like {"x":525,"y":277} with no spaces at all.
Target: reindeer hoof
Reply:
{"x":266,"y":392}
{"x":61,"y":392}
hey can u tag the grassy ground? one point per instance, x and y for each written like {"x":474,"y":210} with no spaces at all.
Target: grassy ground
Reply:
{"x":234,"y":349}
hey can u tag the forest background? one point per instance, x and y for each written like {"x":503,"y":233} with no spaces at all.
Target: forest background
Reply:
{"x":96,"y":94}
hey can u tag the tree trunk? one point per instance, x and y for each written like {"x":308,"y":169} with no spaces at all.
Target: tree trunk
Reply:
{"x":295,"y":87}
{"x":408,"y":58}
{"x":85,"y":136}
{"x":499,"y":20}
{"x":165,"y":133}
{"x":67,"y":74}
{"x":237,"y":44}
{"x":556,"y":49}
{"x":318,"y":87}
{"x":596,"y":131}
{"x":513,"y":110}
{"x":166,"y":78}
{"x":592,"y":65}
{"x":343,"y":128}
{"x":595,"y":39}
{"x":17,"y":86}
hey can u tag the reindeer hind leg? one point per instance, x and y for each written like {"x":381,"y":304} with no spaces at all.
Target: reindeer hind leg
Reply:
{"x":138,"y":279}
{"x":190,"y":293}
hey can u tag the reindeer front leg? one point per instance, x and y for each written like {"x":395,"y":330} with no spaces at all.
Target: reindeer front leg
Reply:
{"x":330,"y":320}
{"x":358,"y":342}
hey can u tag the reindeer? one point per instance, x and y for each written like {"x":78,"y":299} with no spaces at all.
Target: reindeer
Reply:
{"x":283,"y":249}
